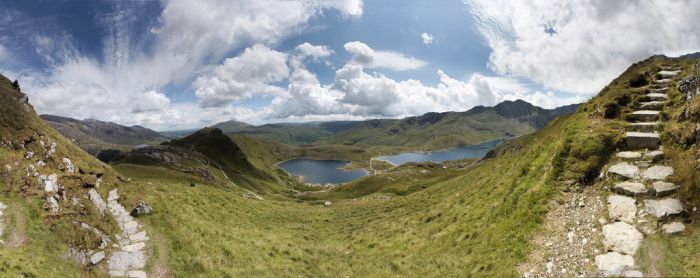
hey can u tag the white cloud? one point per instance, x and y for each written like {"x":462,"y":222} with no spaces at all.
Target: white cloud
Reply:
{"x":314,"y":51}
{"x":579,"y":46}
{"x":150,"y":101}
{"x":243,"y":76}
{"x":427,"y":38}
{"x":367,"y":57}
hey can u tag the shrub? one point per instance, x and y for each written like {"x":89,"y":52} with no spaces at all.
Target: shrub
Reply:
{"x":638,"y":81}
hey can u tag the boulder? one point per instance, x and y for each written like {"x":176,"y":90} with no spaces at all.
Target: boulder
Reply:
{"x":673,"y":228}
{"x":142,"y":208}
{"x":622,"y":238}
{"x":634,"y":189}
{"x":624,"y":169}
{"x":622,"y":208}
{"x":68,"y":165}
{"x":657,"y":172}
{"x":50,"y":183}
{"x":664,"y":208}
{"x":613,"y":263}
{"x":663,"y":188}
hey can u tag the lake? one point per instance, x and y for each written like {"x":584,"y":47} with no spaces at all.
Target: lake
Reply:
{"x":321,"y":171}
{"x":474,"y":151}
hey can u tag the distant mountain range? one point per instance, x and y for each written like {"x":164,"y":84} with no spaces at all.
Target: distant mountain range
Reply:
{"x":94,"y":136}
{"x":429,"y":131}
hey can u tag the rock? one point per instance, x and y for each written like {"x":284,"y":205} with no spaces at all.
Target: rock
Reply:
{"x":28,"y":155}
{"x":622,"y":208}
{"x":654,"y":155}
{"x":112,"y":196}
{"x":124,"y":261}
{"x":641,"y":140}
{"x":134,"y":247}
{"x":633,"y":274}
{"x":662,"y":81}
{"x":657,"y":172}
{"x":673,"y":228}
{"x":116,"y":273}
{"x":53,"y":204}
{"x":50,"y":183}
{"x":663,"y":188}
{"x":69,"y":165}
{"x":327,"y":203}
{"x":97,"y":257}
{"x":131,"y":227}
{"x":634,"y":189}
{"x":136,"y":274}
{"x":142,"y":208}
{"x":138,"y":237}
{"x":622,"y":238}
{"x":629,"y":155}
{"x":668,"y":73}
{"x":613,"y":263}
{"x":664,"y":208}
{"x":97,"y":201}
{"x":645,"y":115}
{"x":624,"y":169}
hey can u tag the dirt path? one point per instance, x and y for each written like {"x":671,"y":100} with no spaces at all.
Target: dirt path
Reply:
{"x":17,"y":226}
{"x":160,"y":267}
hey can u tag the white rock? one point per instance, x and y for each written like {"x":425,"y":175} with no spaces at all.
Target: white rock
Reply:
{"x":657,"y":172}
{"x":613,"y":263}
{"x":654,"y":155}
{"x":629,"y":155}
{"x":97,"y":257}
{"x":116,"y":273}
{"x":69,"y":165}
{"x":134,"y":247}
{"x":136,"y":274}
{"x":625,"y":169}
{"x":633,"y":274}
{"x":621,"y":237}
{"x":131,"y":227}
{"x":622,"y":208}
{"x":113,"y":195}
{"x":630,"y":188}
{"x":664,"y":207}
{"x":97,"y":201}
{"x":50,"y":183}
{"x":53,"y":204}
{"x":673,"y":228}
{"x":663,"y":188}
{"x":138,"y":237}
{"x":327,"y":203}
{"x":123,"y":261}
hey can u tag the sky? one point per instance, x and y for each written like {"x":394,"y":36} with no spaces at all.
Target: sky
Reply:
{"x":182,"y":64}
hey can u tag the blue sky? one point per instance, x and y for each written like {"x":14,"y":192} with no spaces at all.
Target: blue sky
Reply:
{"x":173,"y":64}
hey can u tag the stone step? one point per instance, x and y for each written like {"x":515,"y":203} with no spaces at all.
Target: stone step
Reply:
{"x":657,"y":172}
{"x":671,"y":68}
{"x":651,"y":105}
{"x":663,"y":188}
{"x":657,"y":96}
{"x":629,"y":155}
{"x":622,"y":208}
{"x":664,"y":208}
{"x":614,"y":264}
{"x":632,"y":189}
{"x":668,"y":73}
{"x":654,"y":156}
{"x":641,"y":140}
{"x":622,"y":237}
{"x":663,"y":81}
{"x":645,"y":115}
{"x":644,"y":126}
{"x":625,"y":170}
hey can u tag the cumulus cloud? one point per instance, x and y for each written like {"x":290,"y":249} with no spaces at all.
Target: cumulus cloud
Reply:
{"x":242,"y":76}
{"x":363,"y":55}
{"x":314,"y":51}
{"x":427,"y":38}
{"x":579,"y":46}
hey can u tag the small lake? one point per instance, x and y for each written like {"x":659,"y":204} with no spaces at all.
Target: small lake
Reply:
{"x":321,"y":171}
{"x":474,"y":151}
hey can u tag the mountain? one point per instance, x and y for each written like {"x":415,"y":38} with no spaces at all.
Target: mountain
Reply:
{"x":95,"y":136}
{"x":443,"y":130}
{"x":429,"y":131}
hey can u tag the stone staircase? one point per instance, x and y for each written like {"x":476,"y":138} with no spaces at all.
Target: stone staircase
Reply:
{"x":642,"y":202}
